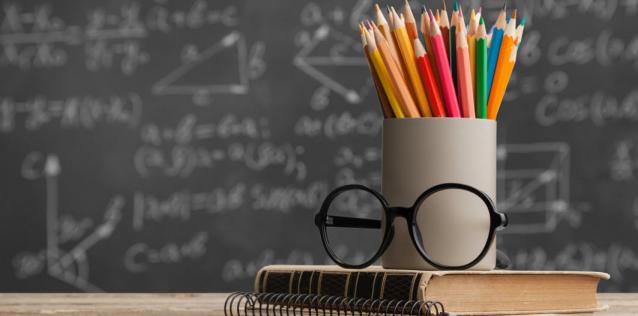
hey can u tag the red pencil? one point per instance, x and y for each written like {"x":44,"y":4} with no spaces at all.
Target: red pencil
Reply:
{"x":429,"y":80}
{"x":445,"y":31}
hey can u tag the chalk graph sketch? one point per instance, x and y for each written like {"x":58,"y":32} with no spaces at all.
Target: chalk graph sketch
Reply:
{"x":66,"y":264}
{"x":329,"y":57}
{"x":534,"y":187}
{"x":231,"y":49}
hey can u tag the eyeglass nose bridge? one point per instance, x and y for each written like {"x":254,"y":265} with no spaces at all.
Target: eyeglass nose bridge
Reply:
{"x":401,"y":211}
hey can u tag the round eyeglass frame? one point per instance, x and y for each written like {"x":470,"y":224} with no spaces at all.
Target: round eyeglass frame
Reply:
{"x":498,"y":221}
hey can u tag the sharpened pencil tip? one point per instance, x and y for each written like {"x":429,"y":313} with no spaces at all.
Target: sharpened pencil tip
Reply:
{"x":456,"y":6}
{"x":423,"y":9}
{"x":482,"y":21}
{"x":523,"y":21}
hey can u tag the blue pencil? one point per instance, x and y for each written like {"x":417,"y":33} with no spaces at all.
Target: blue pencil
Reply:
{"x":495,"y":48}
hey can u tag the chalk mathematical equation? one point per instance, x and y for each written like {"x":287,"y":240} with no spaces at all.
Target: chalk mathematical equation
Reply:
{"x":84,"y":112}
{"x":37,"y":37}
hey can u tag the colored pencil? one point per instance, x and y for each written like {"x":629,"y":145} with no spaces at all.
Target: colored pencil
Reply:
{"x":425,"y":30}
{"x":384,"y":101}
{"x":383,"y":26}
{"x":519,"y":32}
{"x":464,"y":74}
{"x":408,"y":106}
{"x":384,"y":76}
{"x":393,"y":18}
{"x":495,"y":48}
{"x":406,"y":49}
{"x":455,"y":70}
{"x":444,"y":26}
{"x":445,"y":76}
{"x":499,"y":83}
{"x":429,"y":80}
{"x":452,"y":44}
{"x":410,"y":22}
{"x":471,"y":47}
{"x":481,"y":71}
{"x":507,"y":74}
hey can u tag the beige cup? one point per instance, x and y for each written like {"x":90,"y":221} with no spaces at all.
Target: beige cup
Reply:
{"x":420,"y":153}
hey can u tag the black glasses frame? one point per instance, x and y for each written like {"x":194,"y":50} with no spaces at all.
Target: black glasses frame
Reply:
{"x":498,"y":220}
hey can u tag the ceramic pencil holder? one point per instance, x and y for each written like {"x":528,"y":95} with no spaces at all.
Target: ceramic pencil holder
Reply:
{"x":421,"y":153}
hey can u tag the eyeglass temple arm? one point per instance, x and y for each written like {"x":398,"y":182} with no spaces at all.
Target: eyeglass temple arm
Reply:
{"x":341,"y":221}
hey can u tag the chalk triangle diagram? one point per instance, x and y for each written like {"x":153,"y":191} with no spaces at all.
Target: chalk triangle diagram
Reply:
{"x":337,"y":62}
{"x":218,"y":69}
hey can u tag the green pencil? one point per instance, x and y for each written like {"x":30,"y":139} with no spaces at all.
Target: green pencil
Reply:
{"x":481,"y":71}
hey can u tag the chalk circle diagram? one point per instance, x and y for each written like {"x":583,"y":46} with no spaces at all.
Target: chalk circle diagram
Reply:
{"x":335,"y":61}
{"x":68,"y":266}
{"x":219,"y":69}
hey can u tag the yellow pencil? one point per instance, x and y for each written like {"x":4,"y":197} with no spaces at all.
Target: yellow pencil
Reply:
{"x":409,"y":61}
{"x":399,"y":85}
{"x":384,"y":76}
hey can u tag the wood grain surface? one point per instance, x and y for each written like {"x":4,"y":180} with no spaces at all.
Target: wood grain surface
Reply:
{"x":183,"y":304}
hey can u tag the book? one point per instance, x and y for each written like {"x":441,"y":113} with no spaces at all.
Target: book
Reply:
{"x":461,"y":292}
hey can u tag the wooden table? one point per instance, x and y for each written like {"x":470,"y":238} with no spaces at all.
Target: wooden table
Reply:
{"x":181,"y":304}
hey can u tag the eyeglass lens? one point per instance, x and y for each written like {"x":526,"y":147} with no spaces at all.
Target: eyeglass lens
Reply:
{"x":453,"y":226}
{"x":354,"y":226}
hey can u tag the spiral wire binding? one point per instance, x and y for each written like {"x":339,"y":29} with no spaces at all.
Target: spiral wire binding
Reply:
{"x":282,"y":304}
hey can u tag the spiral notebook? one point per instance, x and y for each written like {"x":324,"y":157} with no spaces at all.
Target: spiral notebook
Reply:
{"x":282,"y":304}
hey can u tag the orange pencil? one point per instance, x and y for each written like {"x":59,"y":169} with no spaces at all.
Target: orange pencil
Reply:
{"x":383,"y":26}
{"x":501,"y":77}
{"x":429,"y":80}
{"x":499,"y":94}
{"x":410,"y":22}
{"x":406,"y":49}
{"x":408,"y":106}
{"x":383,"y":98}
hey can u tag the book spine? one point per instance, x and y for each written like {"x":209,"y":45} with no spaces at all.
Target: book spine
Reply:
{"x":373,"y":285}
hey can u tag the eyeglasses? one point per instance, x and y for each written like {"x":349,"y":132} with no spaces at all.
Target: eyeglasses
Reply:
{"x":357,"y":218}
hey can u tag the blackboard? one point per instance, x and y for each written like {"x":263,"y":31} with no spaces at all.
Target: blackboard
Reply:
{"x":181,"y":145}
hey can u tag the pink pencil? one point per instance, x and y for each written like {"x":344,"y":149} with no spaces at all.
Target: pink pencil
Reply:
{"x":447,"y":85}
{"x":466,"y":90}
